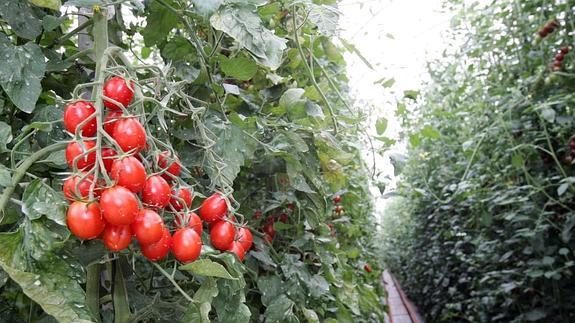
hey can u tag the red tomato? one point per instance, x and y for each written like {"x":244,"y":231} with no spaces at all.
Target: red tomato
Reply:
{"x":75,"y":153}
{"x":170,"y":164}
{"x":291,"y":206}
{"x":156,"y":192}
{"x":565,"y":50}
{"x":130,"y":134}
{"x":336,"y":199}
{"x":268,"y":238}
{"x":159,"y":250}
{"x":186,"y":245}
{"x":108,"y":156}
{"x":191,"y":220}
{"x":237,"y":248}
{"x":338,"y":209}
{"x":257,"y":214}
{"x":83,"y":184}
{"x":117,"y":89}
{"x":181,"y":199}
{"x":117,"y":237}
{"x":85,"y":220}
{"x":367,"y":268}
{"x":269,"y":230}
{"x":148,"y":227}
{"x":110,"y":121}
{"x":222,"y":235}
{"x":245,"y":238}
{"x":129,"y":173}
{"x":283,"y":218}
{"x":213,"y":208}
{"x":119,"y":205}
{"x":75,"y":113}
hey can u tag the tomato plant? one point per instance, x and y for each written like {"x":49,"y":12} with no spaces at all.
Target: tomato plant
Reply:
{"x":242,"y":103}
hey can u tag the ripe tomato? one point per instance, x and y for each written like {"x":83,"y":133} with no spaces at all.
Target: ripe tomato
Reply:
{"x":85,"y":220}
{"x":117,"y":89}
{"x":75,"y":153}
{"x":148,"y":227}
{"x":269,"y":230}
{"x":213,"y":208}
{"x":237,"y":248}
{"x":283,"y":218}
{"x":83,"y":184}
{"x":117,"y":237}
{"x":338,"y":209}
{"x":156,"y":192}
{"x":110,"y":121}
{"x":222,"y":235}
{"x":257,"y":214}
{"x":108,"y":156}
{"x":181,"y":199}
{"x":245,"y":238}
{"x":191,"y":220}
{"x":119,"y":205}
{"x":336,"y":199}
{"x":129,"y":173}
{"x":130,"y":134}
{"x":170,"y":164}
{"x":367,"y":268}
{"x":186,"y":245}
{"x":75,"y":113}
{"x":159,"y":250}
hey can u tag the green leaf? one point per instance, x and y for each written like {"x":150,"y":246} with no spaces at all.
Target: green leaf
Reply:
{"x":159,"y":22}
{"x":84,"y":3}
{"x":22,"y":19}
{"x":548,"y":114}
{"x":5,"y":136}
{"x":21,"y":78}
{"x":240,"y":68}
{"x":206,"y":8}
{"x":310,"y":315}
{"x":325,"y":17}
{"x":178,"y":48}
{"x":50,"y":4}
{"x":207,"y":291}
{"x":280,"y":309}
{"x":352,"y":49}
{"x":246,"y":28}
{"x":40,"y":199}
{"x":50,"y":23}
{"x":429,"y":132}
{"x":270,"y":288}
{"x":294,"y":170}
{"x":381,"y":125}
{"x":386,"y":83}
{"x":206,"y":267}
{"x":562,"y":188}
{"x":292,"y":98}
{"x":411,"y":94}
{"x":5,"y":176}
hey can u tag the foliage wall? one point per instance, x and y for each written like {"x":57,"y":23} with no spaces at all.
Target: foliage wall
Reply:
{"x":484,"y":232}
{"x":251,"y":95}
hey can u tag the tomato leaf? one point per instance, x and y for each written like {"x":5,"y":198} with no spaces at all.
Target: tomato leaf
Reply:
{"x":206,"y":267}
{"x":381,"y":125}
{"x":50,"y":4}
{"x":21,"y":17}
{"x":40,"y":199}
{"x":245,"y":27}
{"x":240,"y":68}
{"x":160,"y":21}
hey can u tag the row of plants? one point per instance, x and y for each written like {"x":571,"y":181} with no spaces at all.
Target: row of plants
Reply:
{"x":187,"y":160}
{"x":483,"y":230}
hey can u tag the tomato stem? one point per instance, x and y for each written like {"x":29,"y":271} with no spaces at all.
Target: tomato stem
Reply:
{"x":171,"y":279}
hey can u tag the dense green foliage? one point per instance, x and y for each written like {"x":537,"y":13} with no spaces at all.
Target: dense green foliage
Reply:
{"x":484,"y":231}
{"x":248,"y":93}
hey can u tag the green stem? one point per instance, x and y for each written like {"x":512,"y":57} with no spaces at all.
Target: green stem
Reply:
{"x":171,"y":279}
{"x":73,"y":32}
{"x":93,"y":290}
{"x":23,"y":168}
{"x":310,"y":72}
{"x":120,"y":298}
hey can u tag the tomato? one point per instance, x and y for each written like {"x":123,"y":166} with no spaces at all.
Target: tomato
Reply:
{"x":119,"y":205}
{"x":269,"y":231}
{"x":156,"y":192}
{"x":338,"y":209}
{"x":191,"y":220}
{"x":367,"y":268}
{"x":85,"y":220}
{"x":117,"y":89}
{"x":117,"y":237}
{"x":213,"y":208}
{"x":564,"y":50}
{"x":268,"y":238}
{"x":283,"y":218}
{"x":108,"y":156}
{"x":186,"y":245}
{"x":237,"y":248}
{"x":159,"y":250}
{"x":76,"y":154}
{"x":148,"y":227}
{"x":245,"y":238}
{"x":222,"y":235}
{"x":181,"y":199}
{"x":130,"y":134}
{"x":110,"y":121}
{"x":170,"y":164}
{"x":257,"y":214}
{"x":336,"y":199}
{"x":83,"y":183}
{"x":291,"y":207}
{"x":129,"y":173}
{"x":77,"y":112}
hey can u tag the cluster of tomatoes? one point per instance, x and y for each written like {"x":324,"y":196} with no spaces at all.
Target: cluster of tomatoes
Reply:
{"x":570,"y":155}
{"x":557,"y":63}
{"x":142,"y":185}
{"x":548,"y":28}
{"x":268,"y":227}
{"x":338,"y":209}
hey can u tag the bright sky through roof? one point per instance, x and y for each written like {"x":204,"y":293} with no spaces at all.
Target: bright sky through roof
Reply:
{"x":397,"y":37}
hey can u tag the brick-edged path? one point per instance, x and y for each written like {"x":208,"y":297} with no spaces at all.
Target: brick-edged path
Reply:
{"x":401,"y":310}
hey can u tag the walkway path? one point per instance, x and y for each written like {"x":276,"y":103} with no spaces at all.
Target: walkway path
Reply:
{"x":401,"y":310}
